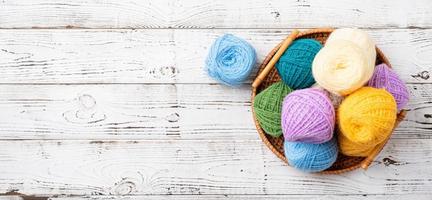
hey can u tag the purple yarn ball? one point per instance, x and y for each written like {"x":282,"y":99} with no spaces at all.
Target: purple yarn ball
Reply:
{"x":307,"y":116}
{"x":387,"y":79}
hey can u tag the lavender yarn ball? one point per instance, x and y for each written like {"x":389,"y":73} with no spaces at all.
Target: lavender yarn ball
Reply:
{"x":311,"y":157}
{"x":308,"y":116}
{"x":386,"y":78}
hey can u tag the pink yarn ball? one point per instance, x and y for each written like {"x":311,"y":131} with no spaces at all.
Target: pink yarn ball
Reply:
{"x":308,"y":116}
{"x":387,"y":79}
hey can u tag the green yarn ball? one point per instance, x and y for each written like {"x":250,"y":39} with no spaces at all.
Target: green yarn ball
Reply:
{"x":295,"y":64}
{"x":268,"y":108}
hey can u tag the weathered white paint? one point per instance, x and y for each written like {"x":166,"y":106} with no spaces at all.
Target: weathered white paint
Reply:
{"x":165,"y":56}
{"x":225,"y":197}
{"x":86,"y":167}
{"x":99,"y":113}
{"x":156,"y":111}
{"x":215,"y":13}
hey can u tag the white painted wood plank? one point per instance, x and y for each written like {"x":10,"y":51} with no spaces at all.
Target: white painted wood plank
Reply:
{"x":214,"y":13}
{"x":10,"y":197}
{"x":236,"y":197}
{"x":197,"y":167}
{"x":185,"y":111}
{"x":165,"y":56}
{"x":125,"y":111}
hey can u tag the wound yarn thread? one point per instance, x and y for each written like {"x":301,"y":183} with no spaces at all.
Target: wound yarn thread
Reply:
{"x":295,"y":64}
{"x":358,"y":37}
{"x":386,"y":78}
{"x":268,"y":106}
{"x":365,"y":118}
{"x":307,"y":116}
{"x":350,"y":148}
{"x":341,"y":67}
{"x":311,"y":157}
{"x":230,"y":60}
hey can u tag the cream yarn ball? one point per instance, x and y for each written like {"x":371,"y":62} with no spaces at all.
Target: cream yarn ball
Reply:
{"x":342,"y":67}
{"x":358,"y":37}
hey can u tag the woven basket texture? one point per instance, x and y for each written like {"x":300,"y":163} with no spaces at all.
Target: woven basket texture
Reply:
{"x":343,"y":163}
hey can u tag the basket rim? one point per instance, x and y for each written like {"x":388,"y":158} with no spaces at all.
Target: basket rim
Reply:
{"x":262,"y":133}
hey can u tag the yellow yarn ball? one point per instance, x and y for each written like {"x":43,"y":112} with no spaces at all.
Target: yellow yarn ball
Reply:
{"x":365,"y":118}
{"x":341,"y":67}
{"x":350,"y":148}
{"x":358,"y":37}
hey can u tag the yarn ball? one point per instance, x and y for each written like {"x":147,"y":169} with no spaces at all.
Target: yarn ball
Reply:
{"x":341,"y":67}
{"x":387,"y":79}
{"x":311,"y":157}
{"x":230,"y":60}
{"x":366,"y":117}
{"x":268,"y":106}
{"x":295,"y":64}
{"x":350,"y":148}
{"x":357,"y":36}
{"x":307,"y":116}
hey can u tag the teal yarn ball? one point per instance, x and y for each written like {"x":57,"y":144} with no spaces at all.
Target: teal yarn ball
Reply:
{"x":295,"y":64}
{"x":311,"y":157}
{"x":268,"y":107}
{"x":230,"y":60}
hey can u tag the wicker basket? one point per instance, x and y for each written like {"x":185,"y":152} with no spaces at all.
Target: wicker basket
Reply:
{"x":343,"y":163}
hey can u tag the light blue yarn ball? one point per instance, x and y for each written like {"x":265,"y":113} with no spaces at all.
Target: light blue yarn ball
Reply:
{"x":230,"y":60}
{"x":311,"y":157}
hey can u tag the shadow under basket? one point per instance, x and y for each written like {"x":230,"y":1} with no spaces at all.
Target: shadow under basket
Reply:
{"x":276,"y":145}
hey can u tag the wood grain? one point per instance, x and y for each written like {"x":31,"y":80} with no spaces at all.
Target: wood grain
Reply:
{"x":108,"y":99}
{"x":134,"y":111}
{"x":215,"y":14}
{"x":165,"y":56}
{"x":220,"y":197}
{"x":197,"y":167}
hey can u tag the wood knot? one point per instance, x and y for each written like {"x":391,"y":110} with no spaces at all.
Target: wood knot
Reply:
{"x":164,"y":72}
{"x":390,"y":161}
{"x":87,"y":101}
{"x":423,"y":75}
{"x":174,"y":117}
{"x":85,"y":111}
{"x":124,"y":187}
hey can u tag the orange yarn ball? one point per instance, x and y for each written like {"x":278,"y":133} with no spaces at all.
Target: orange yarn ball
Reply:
{"x":366,"y":118}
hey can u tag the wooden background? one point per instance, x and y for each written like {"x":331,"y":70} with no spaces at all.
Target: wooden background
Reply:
{"x":107,"y":98}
